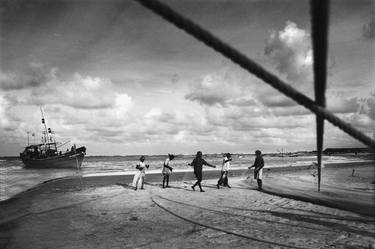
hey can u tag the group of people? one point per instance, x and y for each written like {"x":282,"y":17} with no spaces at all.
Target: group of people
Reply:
{"x":197,"y":164}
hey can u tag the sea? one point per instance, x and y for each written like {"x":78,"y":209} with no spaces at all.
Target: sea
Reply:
{"x":14,"y":178}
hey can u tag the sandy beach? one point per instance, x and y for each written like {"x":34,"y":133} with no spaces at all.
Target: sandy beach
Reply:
{"x":104,"y":212}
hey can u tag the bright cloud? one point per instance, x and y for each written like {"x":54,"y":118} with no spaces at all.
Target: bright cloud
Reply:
{"x":370,"y":108}
{"x":368,"y":29}
{"x":45,"y":87}
{"x":214,"y":89}
{"x":4,"y":105}
{"x":34,"y":76}
{"x":290,"y":51}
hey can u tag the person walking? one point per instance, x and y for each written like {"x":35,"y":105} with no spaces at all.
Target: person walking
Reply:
{"x":167,"y":170}
{"x":198,"y":163}
{"x":224,"y":171}
{"x":258,"y":168}
{"x":141,"y":173}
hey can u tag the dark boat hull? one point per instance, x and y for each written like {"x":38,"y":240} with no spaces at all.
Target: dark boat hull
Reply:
{"x":68,"y":160}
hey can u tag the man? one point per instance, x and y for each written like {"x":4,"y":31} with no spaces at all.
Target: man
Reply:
{"x":258,"y":168}
{"x":167,"y":169}
{"x":141,"y":173}
{"x":198,"y":163}
{"x":224,"y":171}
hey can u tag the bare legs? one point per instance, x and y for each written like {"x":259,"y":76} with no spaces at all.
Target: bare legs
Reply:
{"x":198,"y":175}
{"x":166,"y":180}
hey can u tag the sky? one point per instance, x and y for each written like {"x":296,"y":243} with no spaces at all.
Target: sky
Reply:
{"x":118,"y":79}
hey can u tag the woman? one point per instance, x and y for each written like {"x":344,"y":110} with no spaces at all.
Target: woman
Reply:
{"x":258,"y":168}
{"x":198,"y":163}
{"x":141,"y":173}
{"x":167,"y":170}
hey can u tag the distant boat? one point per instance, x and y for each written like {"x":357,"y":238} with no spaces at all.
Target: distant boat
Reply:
{"x":46,"y":154}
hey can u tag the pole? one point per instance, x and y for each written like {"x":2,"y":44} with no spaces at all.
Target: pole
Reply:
{"x":45,"y":129}
{"x":319,"y":30}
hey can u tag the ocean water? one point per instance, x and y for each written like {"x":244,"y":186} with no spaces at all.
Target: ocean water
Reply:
{"x":14,"y":178}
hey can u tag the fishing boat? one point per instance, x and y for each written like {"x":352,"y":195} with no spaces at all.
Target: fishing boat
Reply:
{"x":47,"y":154}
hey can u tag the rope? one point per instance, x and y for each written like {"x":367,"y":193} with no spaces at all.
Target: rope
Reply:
{"x":319,"y":30}
{"x":246,"y":63}
{"x":218,"y":228}
{"x":240,"y":215}
{"x":12,"y":219}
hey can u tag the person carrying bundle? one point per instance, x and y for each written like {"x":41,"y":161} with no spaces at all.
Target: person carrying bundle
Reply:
{"x":167,"y":170}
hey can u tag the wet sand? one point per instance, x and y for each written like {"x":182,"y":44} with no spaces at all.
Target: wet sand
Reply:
{"x":103,"y":212}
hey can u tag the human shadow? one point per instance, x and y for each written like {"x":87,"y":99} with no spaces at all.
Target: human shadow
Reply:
{"x":124,"y":185}
{"x":215,"y":187}
{"x":173,"y":187}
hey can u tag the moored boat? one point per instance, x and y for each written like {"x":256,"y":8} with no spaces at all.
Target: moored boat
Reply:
{"x":47,"y":155}
{"x":34,"y":157}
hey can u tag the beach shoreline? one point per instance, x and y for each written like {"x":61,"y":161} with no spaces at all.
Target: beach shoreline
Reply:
{"x":110,"y":178}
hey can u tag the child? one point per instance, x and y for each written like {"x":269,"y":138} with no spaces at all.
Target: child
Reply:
{"x":258,"y":168}
{"x":167,"y":170}
{"x":224,"y":171}
{"x":141,"y":173}
{"x":197,"y":163}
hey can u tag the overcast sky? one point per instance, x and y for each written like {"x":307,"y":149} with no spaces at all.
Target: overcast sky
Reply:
{"x":113,"y":76}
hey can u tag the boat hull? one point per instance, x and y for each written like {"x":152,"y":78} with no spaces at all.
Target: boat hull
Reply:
{"x":63,"y":161}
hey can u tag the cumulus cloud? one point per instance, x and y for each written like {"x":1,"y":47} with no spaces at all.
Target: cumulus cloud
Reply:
{"x":214,"y":90}
{"x":290,"y":51}
{"x":368,"y":29}
{"x":34,"y":76}
{"x":343,"y":105}
{"x":84,"y":92}
{"x":76,"y":106}
{"x":277,"y":100}
{"x":340,"y":101}
{"x":46,"y":87}
{"x":370,"y":106}
{"x":4,"y":119}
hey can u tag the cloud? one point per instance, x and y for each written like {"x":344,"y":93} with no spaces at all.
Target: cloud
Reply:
{"x":77,"y":91}
{"x":368,"y":29}
{"x":34,"y":76}
{"x":77,"y":107}
{"x":290,"y":51}
{"x":243,"y":101}
{"x":370,"y":108}
{"x":8,"y":119}
{"x":277,"y":100}
{"x":342,"y":101}
{"x":4,"y":119}
{"x":214,"y":89}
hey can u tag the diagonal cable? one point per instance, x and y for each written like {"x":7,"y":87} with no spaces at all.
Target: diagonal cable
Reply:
{"x":246,"y":63}
{"x":319,"y":30}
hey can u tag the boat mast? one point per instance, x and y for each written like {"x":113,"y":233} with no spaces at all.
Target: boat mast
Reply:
{"x":45,"y":138}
